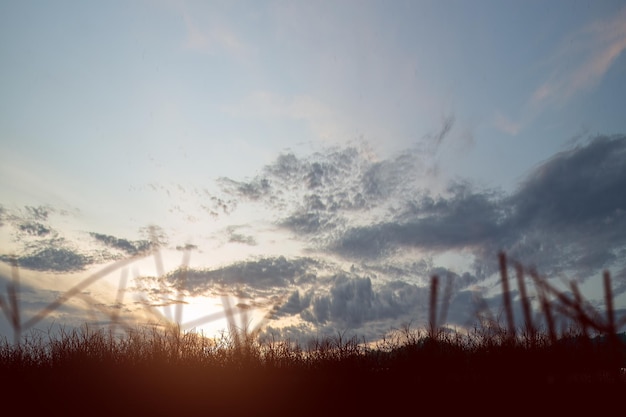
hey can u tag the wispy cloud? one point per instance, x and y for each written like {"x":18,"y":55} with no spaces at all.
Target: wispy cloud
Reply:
{"x":464,"y":219}
{"x":128,"y":247}
{"x":320,"y":118}
{"x":584,"y":60}
{"x":506,"y":125}
{"x":575,"y":67}
{"x":209,"y":32}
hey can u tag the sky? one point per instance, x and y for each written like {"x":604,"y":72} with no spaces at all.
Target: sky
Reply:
{"x":305,"y":167}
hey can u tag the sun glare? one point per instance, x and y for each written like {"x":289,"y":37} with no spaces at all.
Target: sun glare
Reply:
{"x":211,"y":316}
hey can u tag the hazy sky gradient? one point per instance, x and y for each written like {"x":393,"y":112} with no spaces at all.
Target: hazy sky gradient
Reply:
{"x":314,"y":152}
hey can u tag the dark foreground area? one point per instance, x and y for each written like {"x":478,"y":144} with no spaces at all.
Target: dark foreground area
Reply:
{"x":110,"y":390}
{"x":168,"y":373}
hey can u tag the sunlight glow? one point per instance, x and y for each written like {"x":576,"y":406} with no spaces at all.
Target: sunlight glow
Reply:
{"x":211,"y":316}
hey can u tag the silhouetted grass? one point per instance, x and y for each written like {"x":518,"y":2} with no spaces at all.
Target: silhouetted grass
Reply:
{"x":156,"y":370}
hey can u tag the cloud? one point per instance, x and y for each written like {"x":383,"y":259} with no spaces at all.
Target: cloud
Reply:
{"x":234,"y":237}
{"x":191,"y":202}
{"x":249,"y":190}
{"x":578,"y":187}
{"x":358,"y":301}
{"x":51,"y":260}
{"x":128,"y":247}
{"x":35,"y":229}
{"x":295,"y":304}
{"x":30,"y":217}
{"x":574,"y":202}
{"x":187,"y":246}
{"x":38,"y":213}
{"x":463,"y":219}
{"x":352,"y":301}
{"x":261,"y":274}
{"x":317,"y":196}
{"x":38,"y":245}
{"x":308,"y":222}
{"x":567,"y":215}
{"x":307,"y":290}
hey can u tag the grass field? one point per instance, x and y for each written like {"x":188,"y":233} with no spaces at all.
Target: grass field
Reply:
{"x":163,"y":371}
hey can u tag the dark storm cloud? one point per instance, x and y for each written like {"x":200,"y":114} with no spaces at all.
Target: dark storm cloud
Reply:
{"x":295,"y":304}
{"x":469,"y":307}
{"x":51,"y":260}
{"x":581,"y":187}
{"x":129,"y":247}
{"x":352,"y":301}
{"x":575,"y":204}
{"x":262,"y":274}
{"x":570,"y":214}
{"x":464,"y":219}
{"x":402,"y":270}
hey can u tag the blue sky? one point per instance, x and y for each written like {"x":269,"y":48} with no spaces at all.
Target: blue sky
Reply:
{"x":309,"y":130}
